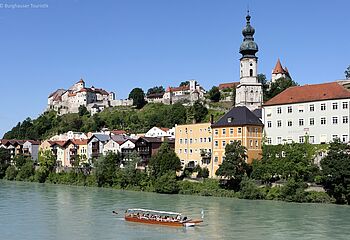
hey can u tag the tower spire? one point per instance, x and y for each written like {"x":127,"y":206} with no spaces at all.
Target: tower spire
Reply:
{"x":248,"y":47}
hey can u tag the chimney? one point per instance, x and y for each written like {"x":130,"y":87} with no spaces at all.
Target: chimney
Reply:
{"x":211,"y":118}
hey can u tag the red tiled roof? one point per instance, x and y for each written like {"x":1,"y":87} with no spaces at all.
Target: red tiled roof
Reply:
{"x":81,"y":81}
{"x":79,"y":141}
{"x":60,"y":143}
{"x":228,"y":85}
{"x":308,"y":93}
{"x":177,"y":89}
{"x":118,"y":132}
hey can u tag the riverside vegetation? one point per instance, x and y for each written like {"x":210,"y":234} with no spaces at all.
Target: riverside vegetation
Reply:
{"x":291,"y":163}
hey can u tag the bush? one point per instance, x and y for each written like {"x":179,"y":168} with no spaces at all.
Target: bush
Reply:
{"x":167,"y":183}
{"x":318,"y":197}
{"x":11,"y":173}
{"x":273,"y":193}
{"x":293,"y":191}
{"x":249,"y":190}
{"x":203,"y":173}
{"x":27,"y":170}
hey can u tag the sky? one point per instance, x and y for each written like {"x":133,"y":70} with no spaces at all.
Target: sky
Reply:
{"x":121,"y":44}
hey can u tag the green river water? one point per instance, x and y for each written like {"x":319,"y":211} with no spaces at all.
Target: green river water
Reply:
{"x":42,"y":211}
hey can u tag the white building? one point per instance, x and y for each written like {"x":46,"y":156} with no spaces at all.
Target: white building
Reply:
{"x":249,"y":92}
{"x":94,"y":99}
{"x":161,"y":132}
{"x":319,"y":111}
{"x":279,"y":72}
{"x":68,"y":135}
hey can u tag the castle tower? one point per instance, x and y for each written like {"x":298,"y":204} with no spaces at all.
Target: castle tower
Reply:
{"x":249,"y":91}
{"x":279,"y":72}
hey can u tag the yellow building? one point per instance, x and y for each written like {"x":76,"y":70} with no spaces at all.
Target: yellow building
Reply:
{"x":238,"y":124}
{"x":193,"y":144}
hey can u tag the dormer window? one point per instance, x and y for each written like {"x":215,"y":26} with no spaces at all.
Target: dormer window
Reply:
{"x":229,"y":120}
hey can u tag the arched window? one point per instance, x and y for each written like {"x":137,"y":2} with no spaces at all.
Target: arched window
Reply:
{"x":251,"y":72}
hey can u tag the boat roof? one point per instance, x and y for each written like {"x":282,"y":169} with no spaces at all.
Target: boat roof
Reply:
{"x":153,"y":211}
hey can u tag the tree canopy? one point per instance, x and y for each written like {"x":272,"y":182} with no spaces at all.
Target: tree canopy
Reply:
{"x":277,"y":87}
{"x":156,"y":89}
{"x":138,"y":97}
{"x":185,"y":83}
{"x":164,"y":161}
{"x":214,"y":94}
{"x":347,"y":72}
{"x":234,"y":166}
{"x":336,"y":171}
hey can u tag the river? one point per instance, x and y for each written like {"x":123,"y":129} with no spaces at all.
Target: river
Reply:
{"x":43,"y":211}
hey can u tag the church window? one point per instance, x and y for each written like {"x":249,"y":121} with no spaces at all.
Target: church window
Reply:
{"x":251,"y":64}
{"x":251,"y":72}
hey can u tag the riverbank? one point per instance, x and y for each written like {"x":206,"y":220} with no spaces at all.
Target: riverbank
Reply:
{"x":291,"y":191}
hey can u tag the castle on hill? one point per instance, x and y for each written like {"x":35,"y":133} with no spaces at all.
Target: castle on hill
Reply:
{"x":94,"y":99}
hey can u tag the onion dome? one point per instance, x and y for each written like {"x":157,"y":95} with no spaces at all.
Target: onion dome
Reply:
{"x":248,"y":47}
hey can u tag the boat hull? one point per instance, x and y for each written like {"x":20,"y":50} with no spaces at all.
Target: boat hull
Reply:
{"x":164,"y":223}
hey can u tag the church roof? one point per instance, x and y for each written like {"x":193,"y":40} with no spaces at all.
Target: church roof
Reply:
{"x":228,"y":85}
{"x":309,"y":93}
{"x":238,"y":116}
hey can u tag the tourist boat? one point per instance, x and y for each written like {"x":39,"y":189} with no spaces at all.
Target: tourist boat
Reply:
{"x":160,"y":218}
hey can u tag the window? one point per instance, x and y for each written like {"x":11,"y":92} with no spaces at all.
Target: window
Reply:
{"x":279,"y":110}
{"x":185,"y":140}
{"x":216,"y":159}
{"x":335,"y":106}
{"x":301,"y":122}
{"x":290,"y":110}
{"x":216,"y":132}
{"x":279,"y":123}
{"x":201,"y":139}
{"x":224,"y":131}
{"x":312,"y":107}
{"x":323,"y":120}
{"x":290,"y":123}
{"x":223,"y":158}
{"x":185,"y":150}
{"x":216,"y":144}
{"x":256,"y":132}
{"x":323,"y":106}
{"x":345,"y":105}
{"x":239,"y":130}
{"x":334,"y":137}
{"x":231,"y":141}
{"x":256,"y":143}
{"x":312,"y":121}
{"x":311,"y":139}
{"x":269,"y":140}
{"x":251,"y":72}
{"x":180,"y":150}
{"x":345,"y":119}
{"x":269,"y":124}
{"x":209,"y":139}
{"x":191,"y":140}
{"x":345,"y":138}
{"x":301,"y":139}
{"x":251,"y":143}
{"x":204,"y":139}
{"x":335,"y":120}
{"x":231,"y":131}
{"x":223,"y":143}
{"x":279,"y":140}
{"x":301,"y":108}
{"x":191,"y":151}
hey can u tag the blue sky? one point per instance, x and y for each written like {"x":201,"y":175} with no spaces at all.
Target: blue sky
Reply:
{"x":122,"y":44}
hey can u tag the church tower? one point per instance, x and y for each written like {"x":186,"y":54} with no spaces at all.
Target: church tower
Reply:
{"x":249,"y":91}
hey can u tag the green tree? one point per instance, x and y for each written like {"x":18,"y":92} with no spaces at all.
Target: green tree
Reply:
{"x":214,"y":94}
{"x":176,"y":114}
{"x":197,"y":112}
{"x":47,"y":163}
{"x":234,"y":166}
{"x":11,"y":173}
{"x":20,"y":160}
{"x":279,"y":86}
{"x":164,"y":161}
{"x":27,"y":171}
{"x":4,"y":161}
{"x":265,"y":86}
{"x":106,"y":168}
{"x":336,"y":171}
{"x":185,"y":83}
{"x":83,"y":111}
{"x":138,"y":97}
{"x":167,"y":183}
{"x":347,"y":73}
{"x":156,"y":89}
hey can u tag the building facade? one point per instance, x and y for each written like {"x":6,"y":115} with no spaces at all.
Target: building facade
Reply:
{"x":249,"y":92}
{"x":193,"y":144}
{"x":319,"y":112}
{"x":239,"y":124}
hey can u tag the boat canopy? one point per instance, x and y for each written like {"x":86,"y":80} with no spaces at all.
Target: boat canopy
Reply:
{"x":152,"y":211}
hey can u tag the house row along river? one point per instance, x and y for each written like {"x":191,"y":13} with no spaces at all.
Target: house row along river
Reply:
{"x":44,"y":211}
